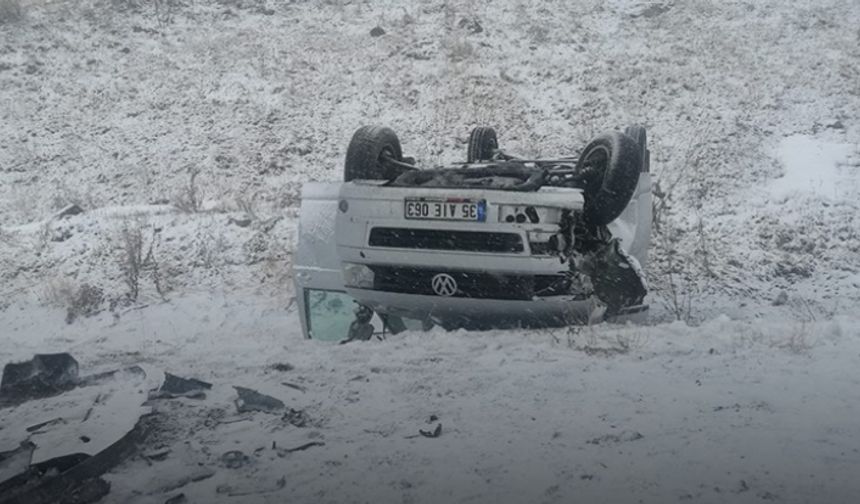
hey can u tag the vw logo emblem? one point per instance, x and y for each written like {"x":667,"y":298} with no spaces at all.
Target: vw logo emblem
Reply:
{"x":444,"y":284}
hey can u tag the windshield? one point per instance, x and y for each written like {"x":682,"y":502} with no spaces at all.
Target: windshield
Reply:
{"x":336,"y":316}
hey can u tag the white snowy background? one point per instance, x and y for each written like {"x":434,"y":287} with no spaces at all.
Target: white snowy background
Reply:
{"x":189,"y":127}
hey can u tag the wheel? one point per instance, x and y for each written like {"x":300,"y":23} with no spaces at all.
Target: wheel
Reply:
{"x":367,"y":150}
{"x":614,"y":159}
{"x":637,"y":132}
{"x":483,"y":143}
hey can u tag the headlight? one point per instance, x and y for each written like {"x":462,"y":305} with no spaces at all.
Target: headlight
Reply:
{"x":357,"y":275}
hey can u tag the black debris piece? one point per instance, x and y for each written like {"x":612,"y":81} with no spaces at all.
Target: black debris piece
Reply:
{"x":622,"y":437}
{"x":241,"y":222}
{"x":160,"y":394}
{"x":42,"y":376}
{"x":294,"y":386}
{"x":70,"y":210}
{"x":283,"y":452}
{"x":40,"y":426}
{"x":781,"y":299}
{"x":59,"y":464}
{"x":256,"y":489}
{"x":157,"y":455}
{"x":251,"y":400}
{"x":377,"y":32}
{"x":178,"y":385}
{"x":177,"y":499}
{"x":198,"y":474}
{"x":432,"y":434}
{"x":34,"y":472}
{"x":87,"y":491}
{"x":234,"y":459}
{"x":283,"y":367}
{"x":296,"y":418}
{"x":470,"y":25}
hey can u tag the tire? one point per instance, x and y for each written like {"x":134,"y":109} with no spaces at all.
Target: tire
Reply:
{"x":637,"y":132}
{"x":364,"y":156}
{"x":615,"y":160}
{"x":483,"y":143}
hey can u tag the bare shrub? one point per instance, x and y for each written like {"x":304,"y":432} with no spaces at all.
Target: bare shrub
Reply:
{"x":131,"y":260}
{"x":247,"y":204}
{"x":688,"y":167}
{"x":277,"y":265}
{"x":86,"y":302}
{"x":679,"y":290}
{"x":138,"y":260}
{"x":10,"y":11}
{"x":209,"y":250}
{"x":796,"y":340}
{"x":190,"y":197}
{"x":43,"y":237}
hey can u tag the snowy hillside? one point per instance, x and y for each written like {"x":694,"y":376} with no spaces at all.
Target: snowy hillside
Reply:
{"x":157,"y":148}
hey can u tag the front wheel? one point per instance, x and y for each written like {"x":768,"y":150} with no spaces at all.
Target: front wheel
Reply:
{"x":614,"y":160}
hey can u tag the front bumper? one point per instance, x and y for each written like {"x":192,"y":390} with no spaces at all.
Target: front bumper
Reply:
{"x":452,"y":312}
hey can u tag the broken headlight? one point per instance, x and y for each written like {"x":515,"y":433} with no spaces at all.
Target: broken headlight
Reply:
{"x":548,"y":242}
{"x":357,"y":275}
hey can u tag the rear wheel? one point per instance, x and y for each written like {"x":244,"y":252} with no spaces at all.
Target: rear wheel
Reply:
{"x":369,"y":148}
{"x":483,"y":144}
{"x":614,"y":160}
{"x":637,"y":132}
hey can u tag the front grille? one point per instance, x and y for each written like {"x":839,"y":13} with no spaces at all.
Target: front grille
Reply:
{"x":479,"y":285}
{"x":434,"y":239}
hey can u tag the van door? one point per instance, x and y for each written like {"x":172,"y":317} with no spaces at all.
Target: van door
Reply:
{"x":325,"y":309}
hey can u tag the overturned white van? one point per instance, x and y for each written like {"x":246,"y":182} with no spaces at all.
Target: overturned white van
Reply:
{"x":494,"y":242}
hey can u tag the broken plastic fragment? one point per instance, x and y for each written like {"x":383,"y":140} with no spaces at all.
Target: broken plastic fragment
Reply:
{"x":251,"y":400}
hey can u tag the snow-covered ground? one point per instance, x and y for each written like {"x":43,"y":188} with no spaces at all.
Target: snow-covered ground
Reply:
{"x":729,"y":411}
{"x":743,"y":389}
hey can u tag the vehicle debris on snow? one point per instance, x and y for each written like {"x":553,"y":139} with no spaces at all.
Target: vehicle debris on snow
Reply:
{"x":41,"y":376}
{"x":176,"y":386}
{"x":250,"y":400}
{"x":59,"y":432}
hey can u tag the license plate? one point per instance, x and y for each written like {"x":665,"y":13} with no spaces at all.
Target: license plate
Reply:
{"x":454,"y":209}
